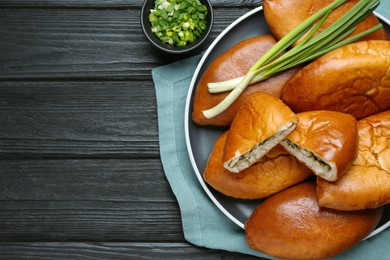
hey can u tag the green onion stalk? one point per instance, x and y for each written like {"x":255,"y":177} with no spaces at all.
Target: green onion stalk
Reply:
{"x":309,"y":48}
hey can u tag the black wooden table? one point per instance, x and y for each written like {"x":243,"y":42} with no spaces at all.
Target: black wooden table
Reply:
{"x":80,"y":170}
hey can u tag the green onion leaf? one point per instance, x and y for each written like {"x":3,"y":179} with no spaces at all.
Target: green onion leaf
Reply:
{"x":310,"y":47}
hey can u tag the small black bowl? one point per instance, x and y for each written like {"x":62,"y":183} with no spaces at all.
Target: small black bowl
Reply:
{"x":146,"y":27}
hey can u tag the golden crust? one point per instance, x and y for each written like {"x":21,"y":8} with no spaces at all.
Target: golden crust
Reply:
{"x":366,"y":184}
{"x":354,"y":79}
{"x":273,"y":173}
{"x":233,"y":63}
{"x":259,"y":118}
{"x":331,"y":136}
{"x":291,"y":225}
{"x":282,"y":16}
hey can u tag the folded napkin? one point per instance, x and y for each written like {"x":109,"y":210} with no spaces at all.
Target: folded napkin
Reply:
{"x":203,"y":223}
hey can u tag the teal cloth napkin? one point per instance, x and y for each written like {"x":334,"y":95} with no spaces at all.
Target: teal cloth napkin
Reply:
{"x":203,"y":223}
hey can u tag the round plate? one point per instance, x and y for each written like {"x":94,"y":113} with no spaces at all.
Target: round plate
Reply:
{"x":200,"y":139}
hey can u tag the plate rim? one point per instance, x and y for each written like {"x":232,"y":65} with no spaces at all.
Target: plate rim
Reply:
{"x":187,"y":118}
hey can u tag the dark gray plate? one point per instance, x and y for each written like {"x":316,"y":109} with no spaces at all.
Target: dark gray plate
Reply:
{"x":200,"y":139}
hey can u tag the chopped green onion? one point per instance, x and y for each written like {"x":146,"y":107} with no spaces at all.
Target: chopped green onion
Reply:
{"x":311,"y":47}
{"x":178,"y":22}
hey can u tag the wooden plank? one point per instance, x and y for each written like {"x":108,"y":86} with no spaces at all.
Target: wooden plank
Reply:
{"x":54,"y":198}
{"x":70,"y":220}
{"x":83,"y":43}
{"x":87,"y":200}
{"x":171,"y":251}
{"x":73,"y":119}
{"x":111,"y":3}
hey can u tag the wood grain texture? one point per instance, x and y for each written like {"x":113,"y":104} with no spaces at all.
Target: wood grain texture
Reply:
{"x":73,"y":119}
{"x":84,"y":43}
{"x":171,"y":251}
{"x":80,"y":169}
{"x":87,"y":200}
{"x":112,"y":3}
